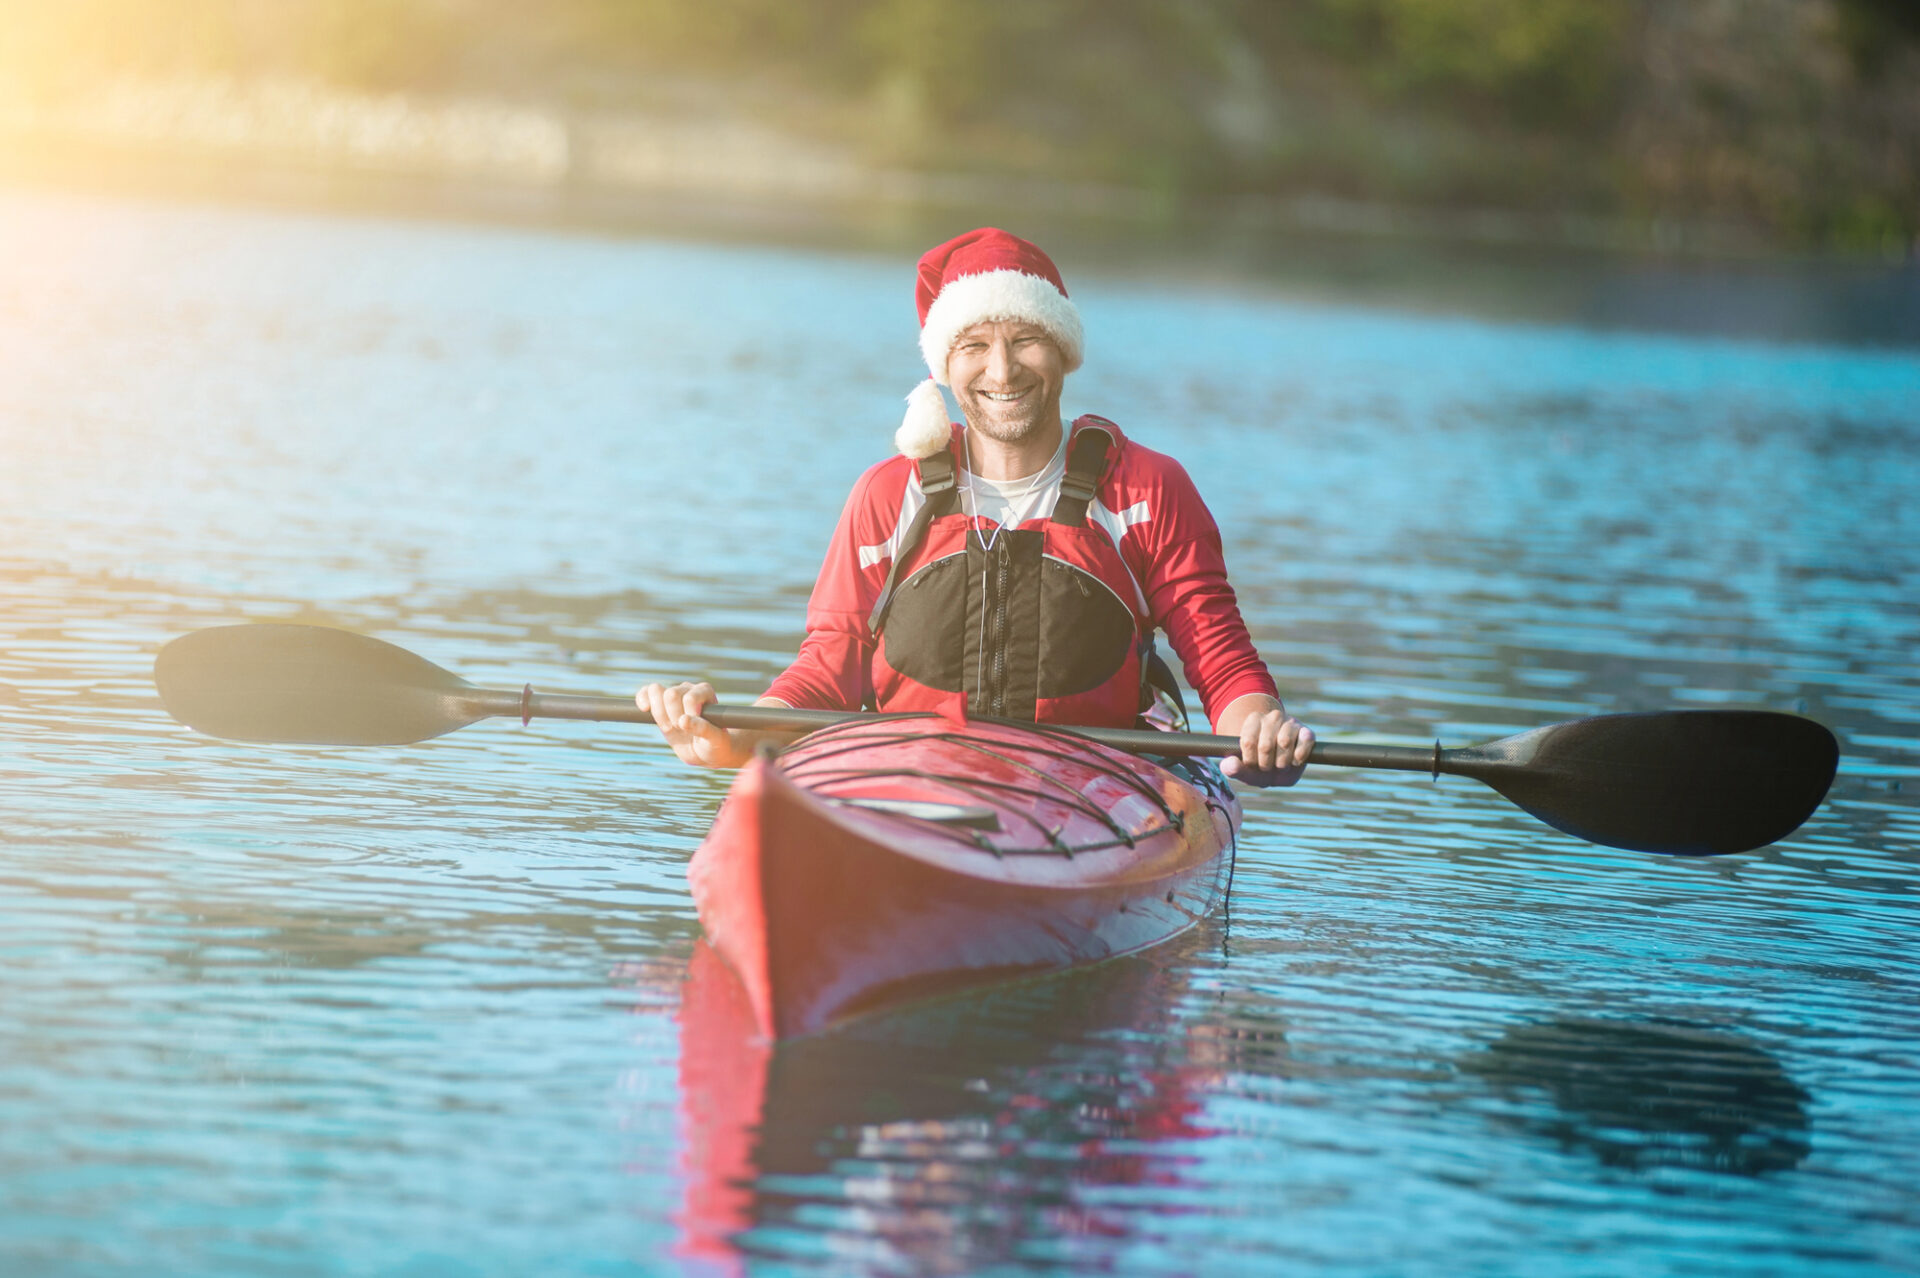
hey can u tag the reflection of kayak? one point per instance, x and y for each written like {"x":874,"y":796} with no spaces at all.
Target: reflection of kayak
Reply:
{"x":898,"y":1139}
{"x":889,"y":860}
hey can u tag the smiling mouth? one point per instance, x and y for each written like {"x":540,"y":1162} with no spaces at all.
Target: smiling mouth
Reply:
{"x":1004,"y":397}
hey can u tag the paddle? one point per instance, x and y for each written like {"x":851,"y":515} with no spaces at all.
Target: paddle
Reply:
{"x":1686,"y":782}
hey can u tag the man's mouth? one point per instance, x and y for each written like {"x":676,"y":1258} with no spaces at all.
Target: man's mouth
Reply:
{"x":1004,"y":397}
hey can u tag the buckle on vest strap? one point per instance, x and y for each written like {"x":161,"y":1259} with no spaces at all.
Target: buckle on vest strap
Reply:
{"x":1079,"y":487}
{"x":936,"y":474}
{"x":1085,"y":463}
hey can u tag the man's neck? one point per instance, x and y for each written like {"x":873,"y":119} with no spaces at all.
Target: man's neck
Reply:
{"x":995,"y":459}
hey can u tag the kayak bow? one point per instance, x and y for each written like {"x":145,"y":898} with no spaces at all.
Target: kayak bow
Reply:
{"x":883,"y":862}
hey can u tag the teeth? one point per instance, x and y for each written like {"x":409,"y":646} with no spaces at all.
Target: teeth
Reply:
{"x":1003,"y":396}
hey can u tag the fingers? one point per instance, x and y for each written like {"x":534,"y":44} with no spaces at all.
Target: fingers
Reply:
{"x":1274,"y":748}
{"x":675,"y":708}
{"x":676,"y":711}
{"x":685,"y":701}
{"x":649,"y":699}
{"x":1266,"y":738}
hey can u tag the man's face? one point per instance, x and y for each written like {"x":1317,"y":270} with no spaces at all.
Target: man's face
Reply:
{"x":1007,"y":376}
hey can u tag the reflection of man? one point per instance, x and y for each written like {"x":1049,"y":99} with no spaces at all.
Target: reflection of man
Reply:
{"x":1014,"y":567}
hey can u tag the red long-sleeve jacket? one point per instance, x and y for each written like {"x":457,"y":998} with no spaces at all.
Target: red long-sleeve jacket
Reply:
{"x":1146,"y":504}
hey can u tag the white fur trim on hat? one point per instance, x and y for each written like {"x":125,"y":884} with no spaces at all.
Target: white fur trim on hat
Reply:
{"x":998,"y":295}
{"x":925,"y":430}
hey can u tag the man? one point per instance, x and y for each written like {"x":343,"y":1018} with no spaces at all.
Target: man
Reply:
{"x":1014,"y":567}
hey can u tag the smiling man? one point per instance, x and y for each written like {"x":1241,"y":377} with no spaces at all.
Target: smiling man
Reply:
{"x":1013,"y":566}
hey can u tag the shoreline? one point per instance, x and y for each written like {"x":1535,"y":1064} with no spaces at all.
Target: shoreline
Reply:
{"x":613,"y":169}
{"x":301,"y":148}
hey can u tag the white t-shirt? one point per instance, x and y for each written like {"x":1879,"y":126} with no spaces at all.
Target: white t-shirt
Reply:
{"x":1010,"y":502}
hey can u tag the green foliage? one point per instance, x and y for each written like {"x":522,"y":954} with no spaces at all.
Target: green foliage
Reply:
{"x":1664,"y":106}
{"x":1554,"y":57}
{"x":932,"y":63}
{"x":1874,"y":32}
{"x":1868,"y":224}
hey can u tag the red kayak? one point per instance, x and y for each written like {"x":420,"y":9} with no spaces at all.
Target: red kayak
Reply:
{"x":889,"y":860}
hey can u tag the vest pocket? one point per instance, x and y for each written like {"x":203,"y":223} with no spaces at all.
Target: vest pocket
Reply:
{"x":1086,"y":632}
{"x":925,"y":636}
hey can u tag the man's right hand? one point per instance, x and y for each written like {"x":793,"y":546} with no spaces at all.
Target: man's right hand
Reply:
{"x":676,"y":711}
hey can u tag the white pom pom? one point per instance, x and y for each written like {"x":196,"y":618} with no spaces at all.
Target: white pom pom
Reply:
{"x":925,"y":429}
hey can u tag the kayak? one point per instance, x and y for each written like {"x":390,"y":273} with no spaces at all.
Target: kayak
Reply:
{"x":890,"y":860}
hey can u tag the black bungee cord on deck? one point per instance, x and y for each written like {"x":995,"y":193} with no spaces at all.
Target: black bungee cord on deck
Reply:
{"x":813,"y":766}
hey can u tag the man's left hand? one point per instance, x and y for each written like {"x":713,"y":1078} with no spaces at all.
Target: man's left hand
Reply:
{"x":1274,"y":745}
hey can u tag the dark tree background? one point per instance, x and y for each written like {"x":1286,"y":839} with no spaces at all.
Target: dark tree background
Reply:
{"x":1797,"y":117}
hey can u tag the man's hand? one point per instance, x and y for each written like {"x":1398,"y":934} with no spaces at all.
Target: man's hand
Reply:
{"x":676,"y":712}
{"x":1273,"y":744}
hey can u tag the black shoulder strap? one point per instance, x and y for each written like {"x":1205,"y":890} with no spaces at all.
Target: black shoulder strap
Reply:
{"x":1085,"y":465}
{"x":1156,"y":673}
{"x":936,"y":483}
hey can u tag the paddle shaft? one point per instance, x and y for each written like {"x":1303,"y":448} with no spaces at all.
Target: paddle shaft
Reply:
{"x":1683,"y":782}
{"x":528,"y":705}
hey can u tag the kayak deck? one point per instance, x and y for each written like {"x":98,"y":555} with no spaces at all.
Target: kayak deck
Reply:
{"x":891,"y":860}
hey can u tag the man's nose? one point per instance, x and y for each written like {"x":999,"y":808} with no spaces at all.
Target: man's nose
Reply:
{"x":1000,"y":362}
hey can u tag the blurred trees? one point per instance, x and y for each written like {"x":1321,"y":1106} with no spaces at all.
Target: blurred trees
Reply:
{"x":366,"y":43}
{"x":1800,"y":116}
{"x":1554,"y":59}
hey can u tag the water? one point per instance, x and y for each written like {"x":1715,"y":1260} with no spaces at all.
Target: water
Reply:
{"x":441,"y":1009}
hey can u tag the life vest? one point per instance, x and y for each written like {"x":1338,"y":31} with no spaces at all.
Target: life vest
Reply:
{"x":1041,"y":622}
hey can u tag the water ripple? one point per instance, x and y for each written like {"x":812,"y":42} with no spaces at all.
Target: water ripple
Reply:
{"x":441,"y":1009}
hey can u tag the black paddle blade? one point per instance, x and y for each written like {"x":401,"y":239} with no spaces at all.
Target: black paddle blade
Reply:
{"x":1684,"y":782}
{"x":309,"y":685}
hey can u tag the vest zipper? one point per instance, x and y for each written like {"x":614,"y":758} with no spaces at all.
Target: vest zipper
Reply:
{"x":997,"y":685}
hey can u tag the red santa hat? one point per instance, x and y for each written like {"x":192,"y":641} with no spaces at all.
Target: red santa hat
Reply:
{"x":983,"y":275}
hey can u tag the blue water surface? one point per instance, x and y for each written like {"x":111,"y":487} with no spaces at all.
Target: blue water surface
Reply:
{"x":441,"y":1010}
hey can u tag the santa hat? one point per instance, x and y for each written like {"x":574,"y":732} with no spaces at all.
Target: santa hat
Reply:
{"x":983,"y":275}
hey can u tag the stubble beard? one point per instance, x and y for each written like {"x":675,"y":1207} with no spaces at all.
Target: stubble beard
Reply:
{"x":1016,"y":430}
